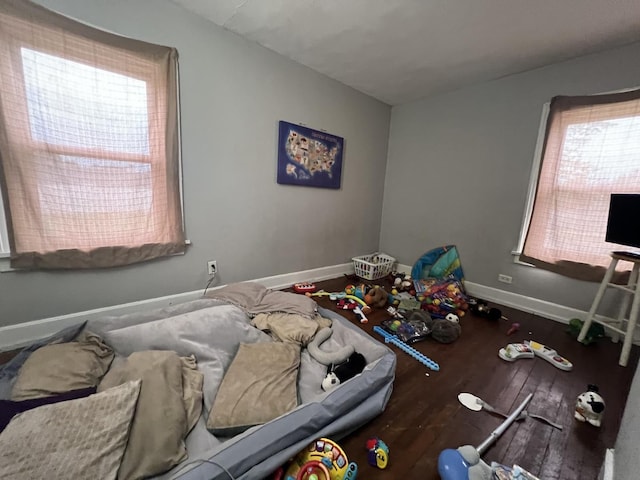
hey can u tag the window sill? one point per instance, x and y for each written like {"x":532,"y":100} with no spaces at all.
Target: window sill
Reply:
{"x":5,"y":266}
{"x":517,"y":261}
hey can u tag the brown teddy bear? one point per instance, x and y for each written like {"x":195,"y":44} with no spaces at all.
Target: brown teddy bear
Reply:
{"x":376,"y":297}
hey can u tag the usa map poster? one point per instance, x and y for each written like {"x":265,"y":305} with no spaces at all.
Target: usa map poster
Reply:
{"x":308,"y":157}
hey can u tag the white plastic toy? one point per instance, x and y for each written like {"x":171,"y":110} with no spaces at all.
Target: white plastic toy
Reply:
{"x":549,"y":355}
{"x":515,"y":351}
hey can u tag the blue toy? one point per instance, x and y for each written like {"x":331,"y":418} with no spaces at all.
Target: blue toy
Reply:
{"x":388,"y":338}
{"x":378,"y":453}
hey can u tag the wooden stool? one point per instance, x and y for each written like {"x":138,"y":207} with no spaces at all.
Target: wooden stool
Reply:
{"x":631,"y":289}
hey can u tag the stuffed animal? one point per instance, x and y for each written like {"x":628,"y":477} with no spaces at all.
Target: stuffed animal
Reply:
{"x":328,"y":358}
{"x":376,"y":297}
{"x":590,"y":406}
{"x":402,"y":282}
{"x":442,"y":330}
{"x":353,"y":366}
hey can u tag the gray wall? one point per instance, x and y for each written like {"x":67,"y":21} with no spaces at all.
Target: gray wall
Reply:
{"x":233,"y":94}
{"x":459,"y":167}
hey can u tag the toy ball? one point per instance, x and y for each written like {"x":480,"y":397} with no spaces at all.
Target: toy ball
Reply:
{"x":378,"y":453}
{"x":452,"y":317}
{"x":590,"y":406}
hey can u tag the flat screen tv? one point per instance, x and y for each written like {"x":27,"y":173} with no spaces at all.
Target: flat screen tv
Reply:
{"x":623,"y":226}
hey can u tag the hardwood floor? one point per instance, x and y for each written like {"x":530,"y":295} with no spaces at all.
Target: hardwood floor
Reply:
{"x":424,"y":417}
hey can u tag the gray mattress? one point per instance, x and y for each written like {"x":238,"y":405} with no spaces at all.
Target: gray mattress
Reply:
{"x":213,"y":330}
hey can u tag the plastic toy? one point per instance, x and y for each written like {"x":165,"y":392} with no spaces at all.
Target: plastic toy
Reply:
{"x":464,"y":463}
{"x":304,"y":287}
{"x":328,"y":358}
{"x":549,"y":355}
{"x":389,"y":338}
{"x":378,"y":453}
{"x":590,"y":406}
{"x":353,"y":366}
{"x":515,"y":351}
{"x":476,"y":404}
{"x":327,"y":453}
{"x":515,"y":326}
{"x":360,"y":313}
{"x":334,"y":296}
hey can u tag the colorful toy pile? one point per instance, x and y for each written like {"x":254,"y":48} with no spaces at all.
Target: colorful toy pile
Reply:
{"x":441,"y":296}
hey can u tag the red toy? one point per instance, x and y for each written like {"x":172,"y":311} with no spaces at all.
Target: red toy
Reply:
{"x":304,"y":287}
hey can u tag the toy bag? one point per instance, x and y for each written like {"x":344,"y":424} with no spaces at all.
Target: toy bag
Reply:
{"x":438,"y":279}
{"x":438,"y":263}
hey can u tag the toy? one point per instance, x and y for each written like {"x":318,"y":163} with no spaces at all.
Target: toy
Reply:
{"x":378,"y":453}
{"x":445,"y":331}
{"x":389,"y":338}
{"x":480,"y":308}
{"x":590,"y":406}
{"x":515,"y":326}
{"x":440,"y":296}
{"x":339,"y":295}
{"x":304,"y":287}
{"x":353,"y":366}
{"x":402,"y":282}
{"x":549,"y":355}
{"x":515,"y":351}
{"x":594,"y":333}
{"x":328,"y":358}
{"x":323,"y":452}
{"x":360,"y":313}
{"x":376,"y":297}
{"x":465,"y":463}
{"x":452,"y":317}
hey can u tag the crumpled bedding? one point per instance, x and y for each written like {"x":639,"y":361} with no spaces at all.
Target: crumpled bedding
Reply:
{"x":290,"y":327}
{"x":254,"y":299}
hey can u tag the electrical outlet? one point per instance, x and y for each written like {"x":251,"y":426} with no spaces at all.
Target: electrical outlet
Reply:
{"x":504,"y":278}
{"x":212,"y":267}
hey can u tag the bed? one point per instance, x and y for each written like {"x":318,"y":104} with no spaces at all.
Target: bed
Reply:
{"x":216,"y":332}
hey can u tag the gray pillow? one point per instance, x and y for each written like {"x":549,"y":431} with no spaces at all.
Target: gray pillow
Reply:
{"x":259,"y":386}
{"x":82,"y":438}
{"x":212,"y":334}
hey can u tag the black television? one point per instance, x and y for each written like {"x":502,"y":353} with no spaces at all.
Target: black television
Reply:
{"x":623,"y":226}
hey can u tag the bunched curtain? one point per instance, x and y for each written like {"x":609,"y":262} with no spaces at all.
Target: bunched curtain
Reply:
{"x":591,"y":149}
{"x":89,"y":145}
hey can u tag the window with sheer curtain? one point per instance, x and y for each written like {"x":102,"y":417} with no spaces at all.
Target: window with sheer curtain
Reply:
{"x":591,"y":150}
{"x":89,"y":146}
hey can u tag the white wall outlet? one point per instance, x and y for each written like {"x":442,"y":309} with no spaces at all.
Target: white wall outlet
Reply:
{"x":504,"y":278}
{"x":212,"y":267}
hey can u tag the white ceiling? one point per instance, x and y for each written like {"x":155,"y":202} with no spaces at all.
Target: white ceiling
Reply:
{"x":401,"y":50}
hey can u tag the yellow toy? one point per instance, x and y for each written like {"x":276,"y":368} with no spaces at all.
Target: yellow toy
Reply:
{"x":320,"y":457}
{"x":338,"y":295}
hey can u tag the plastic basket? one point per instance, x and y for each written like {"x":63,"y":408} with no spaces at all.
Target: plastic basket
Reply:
{"x":374,"y":266}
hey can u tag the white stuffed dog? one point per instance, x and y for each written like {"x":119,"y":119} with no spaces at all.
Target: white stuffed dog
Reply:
{"x":590,"y":406}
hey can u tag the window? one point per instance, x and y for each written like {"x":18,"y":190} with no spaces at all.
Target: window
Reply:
{"x":89,"y":147}
{"x":591,"y":149}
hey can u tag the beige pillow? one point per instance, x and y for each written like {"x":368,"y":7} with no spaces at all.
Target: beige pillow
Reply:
{"x":260,"y":385}
{"x":79,"y":439}
{"x":164,"y":416}
{"x":63,"y":367}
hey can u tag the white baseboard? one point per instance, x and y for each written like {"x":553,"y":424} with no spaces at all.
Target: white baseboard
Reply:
{"x":15,"y":336}
{"x":609,"y":465}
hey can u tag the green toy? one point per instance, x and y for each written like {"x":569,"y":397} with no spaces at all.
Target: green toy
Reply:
{"x":595,"y":332}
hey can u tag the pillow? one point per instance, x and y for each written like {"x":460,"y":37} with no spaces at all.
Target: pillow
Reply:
{"x":156,"y":441}
{"x":9,"y":408}
{"x":9,"y":371}
{"x":290,"y":327}
{"x":259,"y":386}
{"x":82,"y":438}
{"x":212,"y":335}
{"x":63,"y":367}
